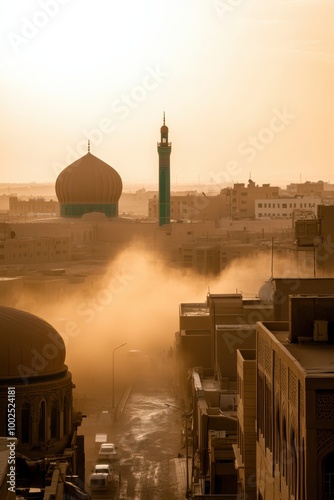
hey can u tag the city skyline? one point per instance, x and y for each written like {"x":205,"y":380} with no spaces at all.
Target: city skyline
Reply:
{"x":246,"y":88}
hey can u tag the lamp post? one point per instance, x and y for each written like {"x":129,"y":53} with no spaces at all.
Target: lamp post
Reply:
{"x":113,"y":373}
{"x":186,"y":416}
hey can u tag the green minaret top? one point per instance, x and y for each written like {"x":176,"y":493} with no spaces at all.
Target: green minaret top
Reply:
{"x":164,"y":151}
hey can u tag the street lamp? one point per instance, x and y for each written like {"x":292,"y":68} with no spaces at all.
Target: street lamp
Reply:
{"x":186,"y":416}
{"x":113,"y":373}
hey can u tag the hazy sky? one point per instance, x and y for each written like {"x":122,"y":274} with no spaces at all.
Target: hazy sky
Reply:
{"x":247,"y":87}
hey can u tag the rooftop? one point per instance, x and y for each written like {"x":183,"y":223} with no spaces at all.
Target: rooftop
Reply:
{"x":315,"y":358}
{"x":194,"y":309}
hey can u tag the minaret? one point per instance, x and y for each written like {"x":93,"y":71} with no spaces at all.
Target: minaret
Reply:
{"x":164,"y":150}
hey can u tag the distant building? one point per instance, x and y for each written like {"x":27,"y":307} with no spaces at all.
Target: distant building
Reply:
{"x":270,"y":208}
{"x":88,"y":185}
{"x":32,"y":207}
{"x":207,"y":256}
{"x":309,"y":189}
{"x":314,"y":238}
{"x":192,"y":206}
{"x":240,"y":199}
{"x":35,"y":250}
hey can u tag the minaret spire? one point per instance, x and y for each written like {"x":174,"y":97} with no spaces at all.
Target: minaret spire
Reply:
{"x":88,"y":146}
{"x":164,"y":151}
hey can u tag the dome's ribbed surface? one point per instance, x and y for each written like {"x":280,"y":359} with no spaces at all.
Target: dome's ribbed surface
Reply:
{"x":89,"y":180}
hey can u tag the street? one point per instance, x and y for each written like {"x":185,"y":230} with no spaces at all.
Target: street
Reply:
{"x":148,"y":437}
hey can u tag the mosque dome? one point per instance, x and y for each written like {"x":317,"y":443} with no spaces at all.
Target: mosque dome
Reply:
{"x":29,"y":346}
{"x":89,"y":180}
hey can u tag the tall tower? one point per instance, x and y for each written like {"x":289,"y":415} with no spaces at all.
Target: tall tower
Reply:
{"x":164,"y":150}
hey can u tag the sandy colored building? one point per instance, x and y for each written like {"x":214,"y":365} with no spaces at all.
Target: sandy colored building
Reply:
{"x":241,"y":199}
{"x":35,"y":250}
{"x":269,"y":208}
{"x":192,"y":206}
{"x":295,"y":395}
{"x":33,"y":207}
{"x":237,"y":202}
{"x":245,"y":449}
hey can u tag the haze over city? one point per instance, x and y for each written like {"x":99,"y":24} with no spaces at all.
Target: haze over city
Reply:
{"x":246,"y":87}
{"x":166,"y":250}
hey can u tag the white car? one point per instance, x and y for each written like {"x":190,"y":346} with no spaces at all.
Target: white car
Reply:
{"x":103,"y":469}
{"x":99,"y":481}
{"x":108,"y":452}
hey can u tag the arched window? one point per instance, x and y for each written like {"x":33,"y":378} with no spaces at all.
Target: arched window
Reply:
{"x":66,"y":416}
{"x":54,"y":420}
{"x":25,"y":423}
{"x":41,"y":422}
{"x":328,"y":476}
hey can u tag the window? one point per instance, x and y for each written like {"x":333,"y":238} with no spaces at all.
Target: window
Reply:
{"x":259,"y":205}
{"x":284,"y":205}
{"x":54,"y":420}
{"x":41,"y":422}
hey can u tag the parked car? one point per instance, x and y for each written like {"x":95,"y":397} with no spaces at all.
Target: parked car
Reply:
{"x":99,"y":481}
{"x":104,"y":469}
{"x":108,"y":451}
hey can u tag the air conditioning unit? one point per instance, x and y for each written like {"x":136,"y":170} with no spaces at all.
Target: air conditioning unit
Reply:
{"x":320,"y":330}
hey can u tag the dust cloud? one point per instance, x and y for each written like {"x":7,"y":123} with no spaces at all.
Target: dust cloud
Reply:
{"x":135,"y":302}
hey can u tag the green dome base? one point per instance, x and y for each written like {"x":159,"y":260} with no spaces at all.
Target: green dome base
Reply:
{"x":77,"y":210}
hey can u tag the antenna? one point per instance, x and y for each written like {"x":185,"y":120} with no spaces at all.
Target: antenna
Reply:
{"x":88,"y":146}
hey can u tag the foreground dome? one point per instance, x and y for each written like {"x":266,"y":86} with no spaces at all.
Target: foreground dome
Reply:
{"x":88,"y":185}
{"x":29,"y":346}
